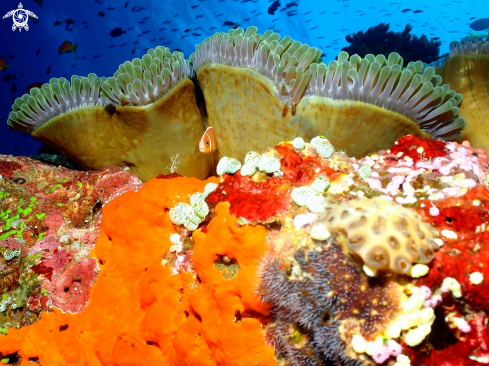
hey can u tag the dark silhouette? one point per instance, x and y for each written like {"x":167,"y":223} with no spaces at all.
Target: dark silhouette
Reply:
{"x":379,"y":40}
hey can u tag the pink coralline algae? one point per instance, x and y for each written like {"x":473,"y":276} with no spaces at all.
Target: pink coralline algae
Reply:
{"x":52,"y":216}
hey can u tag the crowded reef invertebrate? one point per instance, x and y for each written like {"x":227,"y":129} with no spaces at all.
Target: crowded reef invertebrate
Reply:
{"x":138,"y":118}
{"x":250,"y":76}
{"x":466,"y":70}
{"x":322,"y":299}
{"x":169,"y":292}
{"x":385,"y":235}
{"x":379,"y":40}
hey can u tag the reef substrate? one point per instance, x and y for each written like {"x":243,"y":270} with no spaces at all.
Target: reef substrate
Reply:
{"x":258,"y":271}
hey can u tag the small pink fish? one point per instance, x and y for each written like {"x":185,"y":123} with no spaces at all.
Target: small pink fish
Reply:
{"x":207,"y":143}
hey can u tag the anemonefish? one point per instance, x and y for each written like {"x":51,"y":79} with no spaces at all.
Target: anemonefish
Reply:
{"x":207,"y":143}
{"x":67,"y":46}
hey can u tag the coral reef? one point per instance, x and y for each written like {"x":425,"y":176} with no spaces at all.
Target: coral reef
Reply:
{"x":379,"y":40}
{"x":262,"y":265}
{"x":466,"y":69}
{"x":139,"y":118}
{"x":50,"y":219}
{"x":206,"y":314}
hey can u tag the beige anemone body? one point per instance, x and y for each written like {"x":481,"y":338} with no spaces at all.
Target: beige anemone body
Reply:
{"x":246,"y":114}
{"x":143,"y":138}
{"x":469,"y":75}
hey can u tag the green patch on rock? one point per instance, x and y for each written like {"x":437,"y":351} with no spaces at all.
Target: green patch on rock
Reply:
{"x":228,"y":266}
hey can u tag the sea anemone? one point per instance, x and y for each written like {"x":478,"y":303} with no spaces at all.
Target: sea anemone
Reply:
{"x":467,"y":70}
{"x":359,"y":105}
{"x":140,"y":118}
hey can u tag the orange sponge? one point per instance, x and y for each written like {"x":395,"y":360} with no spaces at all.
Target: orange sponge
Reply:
{"x":139,"y":313}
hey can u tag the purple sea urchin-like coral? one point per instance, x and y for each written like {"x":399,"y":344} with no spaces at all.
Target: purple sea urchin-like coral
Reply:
{"x":321,"y":299}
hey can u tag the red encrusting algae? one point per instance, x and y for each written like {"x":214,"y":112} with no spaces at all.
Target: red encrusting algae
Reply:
{"x":260,"y":201}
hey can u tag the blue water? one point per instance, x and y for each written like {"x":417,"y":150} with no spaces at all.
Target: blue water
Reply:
{"x":33,"y":55}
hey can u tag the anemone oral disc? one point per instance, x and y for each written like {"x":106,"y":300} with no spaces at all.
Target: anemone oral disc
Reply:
{"x":143,"y":138}
{"x":469,"y":75}
{"x":150,"y":117}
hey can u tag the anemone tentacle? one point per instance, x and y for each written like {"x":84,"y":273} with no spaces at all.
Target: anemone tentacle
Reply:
{"x":143,"y":81}
{"x":53,"y":99}
{"x":473,"y":43}
{"x":284,"y":61}
{"x":384,"y":83}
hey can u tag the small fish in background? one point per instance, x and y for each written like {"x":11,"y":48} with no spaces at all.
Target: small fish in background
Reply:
{"x":38,"y":2}
{"x":48,"y":70}
{"x":96,"y":56}
{"x":68,"y":23}
{"x":101,"y":13}
{"x":207,"y":143}
{"x":67,"y":46}
{"x":116,"y":32}
{"x":9,"y":77}
{"x":125,"y":6}
{"x":56,"y":23}
{"x":13,"y":88}
{"x":230,"y":24}
{"x":199,"y":16}
{"x":3,"y":63}
{"x":137,"y":9}
{"x":479,"y":24}
{"x":273,"y":8}
{"x":195,"y":6}
{"x":110,"y":8}
{"x":34,"y":85}
{"x":418,"y":11}
{"x":130,"y":28}
{"x":405,"y":10}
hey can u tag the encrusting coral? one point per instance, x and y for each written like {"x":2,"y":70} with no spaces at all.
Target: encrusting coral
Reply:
{"x":466,"y":70}
{"x":49,"y":221}
{"x":383,"y":234}
{"x":360,"y":105}
{"x":139,"y":118}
